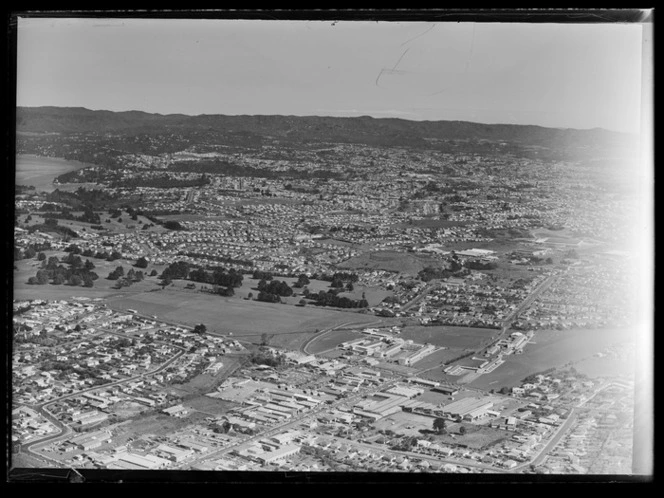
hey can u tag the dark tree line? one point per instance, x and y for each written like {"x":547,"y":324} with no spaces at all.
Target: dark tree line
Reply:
{"x":219,"y":276}
{"x":262,"y":275}
{"x":275,"y":287}
{"x":479,"y":265}
{"x":332,"y":299}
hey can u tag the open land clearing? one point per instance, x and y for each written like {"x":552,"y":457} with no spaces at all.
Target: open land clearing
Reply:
{"x":39,"y":172}
{"x":406,"y":263}
{"x":209,"y":406}
{"x":476,"y":437}
{"x":239,"y":317}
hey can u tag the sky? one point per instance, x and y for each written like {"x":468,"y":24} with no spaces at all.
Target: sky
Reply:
{"x":554,"y":75}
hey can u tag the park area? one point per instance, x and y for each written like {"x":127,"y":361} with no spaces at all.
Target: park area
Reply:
{"x":102,"y":287}
{"x":236,"y":317}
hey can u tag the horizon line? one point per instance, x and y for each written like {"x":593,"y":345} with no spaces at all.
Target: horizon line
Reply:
{"x":596,"y":128}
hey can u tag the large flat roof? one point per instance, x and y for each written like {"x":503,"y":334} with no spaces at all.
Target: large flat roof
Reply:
{"x":467,"y":405}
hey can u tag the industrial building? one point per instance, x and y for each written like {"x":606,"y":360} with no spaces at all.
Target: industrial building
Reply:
{"x":467,"y":409}
{"x":278,"y":455}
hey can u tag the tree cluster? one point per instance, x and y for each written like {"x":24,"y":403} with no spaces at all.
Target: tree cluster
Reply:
{"x":429,"y":273}
{"x":275,"y":287}
{"x":302,"y":280}
{"x":331,"y":299}
{"x":479,"y":265}
{"x":78,"y":273}
{"x":262,"y":275}
{"x":116,"y":274}
{"x":266,"y":357}
{"x":219,"y":276}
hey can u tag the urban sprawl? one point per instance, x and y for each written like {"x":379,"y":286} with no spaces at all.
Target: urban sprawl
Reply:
{"x":192,"y":304}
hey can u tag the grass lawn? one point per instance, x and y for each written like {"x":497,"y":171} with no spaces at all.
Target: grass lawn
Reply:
{"x":405,"y":263}
{"x":242,"y":318}
{"x":477,"y":436}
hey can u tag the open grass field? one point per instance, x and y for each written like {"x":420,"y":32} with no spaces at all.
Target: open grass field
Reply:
{"x":40,"y":172}
{"x":396,"y":261}
{"x":477,"y":437}
{"x":448,"y":336}
{"x":209,"y":406}
{"x":235,"y":316}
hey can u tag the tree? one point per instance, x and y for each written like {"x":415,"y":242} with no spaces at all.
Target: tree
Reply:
{"x":59,"y":279}
{"x":439,"y":425}
{"x":116,"y":274}
{"x":153,"y":273}
{"x":302,"y":280}
{"x":75,"y":280}
{"x":200,"y":329}
{"x":349,"y":287}
{"x":141,"y":262}
{"x":42,"y":277}
{"x":462,"y":430}
{"x":113,"y":256}
{"x":89,"y":265}
{"x":41,"y":256}
{"x":30,"y":253}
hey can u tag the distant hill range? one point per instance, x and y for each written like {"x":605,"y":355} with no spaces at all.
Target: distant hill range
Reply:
{"x":352,"y":130}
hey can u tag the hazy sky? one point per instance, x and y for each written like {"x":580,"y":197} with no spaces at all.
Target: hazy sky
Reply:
{"x":558,"y":75}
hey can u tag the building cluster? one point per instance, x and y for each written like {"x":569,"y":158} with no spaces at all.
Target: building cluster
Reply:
{"x":593,"y":293}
